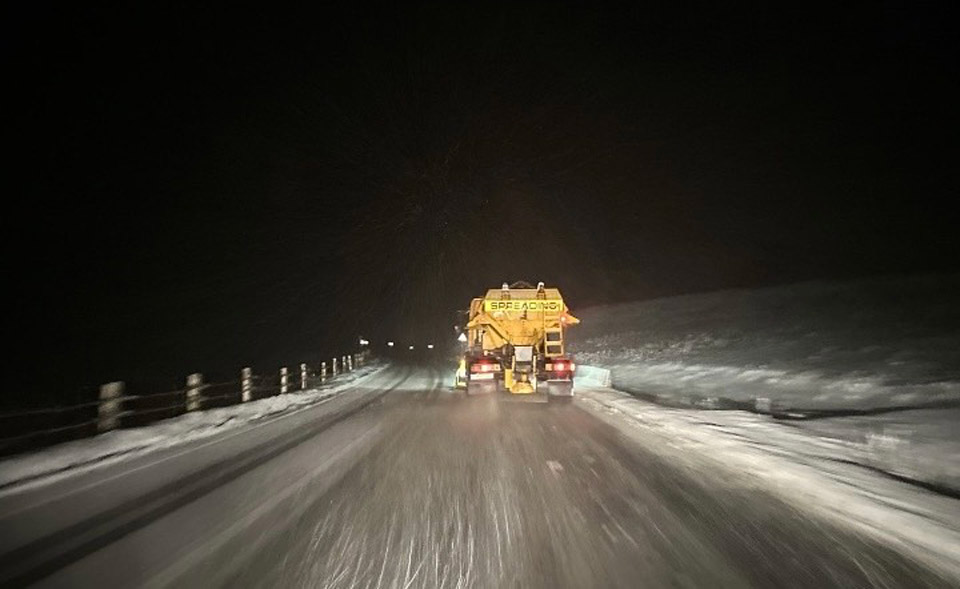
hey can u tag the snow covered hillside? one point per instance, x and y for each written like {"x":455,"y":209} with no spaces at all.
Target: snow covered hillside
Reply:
{"x":890,"y":342}
{"x":872,"y":364}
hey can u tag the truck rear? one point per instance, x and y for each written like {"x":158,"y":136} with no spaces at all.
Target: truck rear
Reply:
{"x":515,"y":344}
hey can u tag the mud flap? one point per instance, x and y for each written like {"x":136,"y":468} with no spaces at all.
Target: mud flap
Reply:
{"x":560,"y":391}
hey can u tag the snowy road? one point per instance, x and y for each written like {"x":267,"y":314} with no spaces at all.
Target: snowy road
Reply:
{"x":420,"y":487}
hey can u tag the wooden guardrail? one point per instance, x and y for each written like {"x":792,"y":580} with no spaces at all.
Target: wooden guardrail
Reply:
{"x":115,"y":408}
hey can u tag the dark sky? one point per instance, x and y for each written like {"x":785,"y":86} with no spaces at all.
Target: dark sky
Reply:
{"x":196,"y":189}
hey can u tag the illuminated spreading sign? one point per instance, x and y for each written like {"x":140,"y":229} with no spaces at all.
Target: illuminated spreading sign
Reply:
{"x":529,"y":305}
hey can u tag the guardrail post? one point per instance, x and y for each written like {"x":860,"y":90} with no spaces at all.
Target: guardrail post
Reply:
{"x":343,"y":364}
{"x":323,"y":371}
{"x":350,"y":362}
{"x":246,"y":385}
{"x":334,"y":366}
{"x":283,"y":380}
{"x":194,"y":388}
{"x":108,"y":411}
{"x":303,"y":377}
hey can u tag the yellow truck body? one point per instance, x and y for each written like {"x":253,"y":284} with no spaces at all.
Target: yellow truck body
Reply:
{"x":516,"y":344}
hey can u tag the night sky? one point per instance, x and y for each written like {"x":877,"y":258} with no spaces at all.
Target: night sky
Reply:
{"x":199,"y":190}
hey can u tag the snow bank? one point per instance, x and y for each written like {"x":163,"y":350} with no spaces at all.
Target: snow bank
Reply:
{"x":120,"y":444}
{"x":812,"y":473}
{"x":591,"y":376}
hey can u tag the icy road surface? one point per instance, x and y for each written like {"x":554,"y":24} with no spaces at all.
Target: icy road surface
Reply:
{"x":420,"y":487}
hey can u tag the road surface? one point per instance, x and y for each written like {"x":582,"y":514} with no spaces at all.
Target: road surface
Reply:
{"x":417,"y":486}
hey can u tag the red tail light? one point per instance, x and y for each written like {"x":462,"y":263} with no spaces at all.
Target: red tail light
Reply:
{"x":561,"y":366}
{"x":483,"y":367}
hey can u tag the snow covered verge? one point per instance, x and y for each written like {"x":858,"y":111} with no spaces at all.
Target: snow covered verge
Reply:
{"x":872,"y":365}
{"x":807,"y":472}
{"x":64,"y":459}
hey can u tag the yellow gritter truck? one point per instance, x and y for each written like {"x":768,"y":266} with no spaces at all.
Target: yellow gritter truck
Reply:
{"x":515,"y":344}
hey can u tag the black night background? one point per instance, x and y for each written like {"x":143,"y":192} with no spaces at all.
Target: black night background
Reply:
{"x":202,"y":189}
